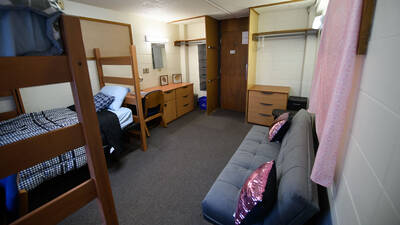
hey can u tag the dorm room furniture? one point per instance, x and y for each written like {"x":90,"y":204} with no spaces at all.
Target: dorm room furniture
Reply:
{"x":297,"y":196}
{"x":26,"y":71}
{"x":134,"y":81}
{"x":262,"y":100}
{"x":178,"y":99}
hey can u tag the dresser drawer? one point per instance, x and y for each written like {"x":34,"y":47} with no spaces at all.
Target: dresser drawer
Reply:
{"x":184,"y":108}
{"x":169,"y":95}
{"x":185,"y":99}
{"x":186,"y":90}
{"x":260,"y":118}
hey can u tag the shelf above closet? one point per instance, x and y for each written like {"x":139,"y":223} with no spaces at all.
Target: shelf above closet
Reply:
{"x":284,"y":33}
{"x":190,"y":41}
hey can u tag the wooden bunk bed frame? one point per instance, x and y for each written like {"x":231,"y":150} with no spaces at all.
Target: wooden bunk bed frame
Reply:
{"x":134,"y":81}
{"x":27,"y":71}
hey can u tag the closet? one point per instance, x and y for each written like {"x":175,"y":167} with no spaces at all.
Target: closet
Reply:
{"x":282,"y":46}
{"x":198,"y":43}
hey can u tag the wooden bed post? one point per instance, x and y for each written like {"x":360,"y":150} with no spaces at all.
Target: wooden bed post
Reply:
{"x":100,"y":73}
{"x":139,"y":106}
{"x":85,"y":109}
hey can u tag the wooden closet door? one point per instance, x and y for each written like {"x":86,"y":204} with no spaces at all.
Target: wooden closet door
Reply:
{"x":233,"y":64}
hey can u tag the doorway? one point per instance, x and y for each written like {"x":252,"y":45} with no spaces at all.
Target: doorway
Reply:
{"x":234,"y":51}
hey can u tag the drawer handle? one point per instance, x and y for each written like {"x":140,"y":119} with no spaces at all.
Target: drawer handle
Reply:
{"x":265,"y":104}
{"x":185,"y":105}
{"x":167,"y":92}
{"x":185,"y":96}
{"x":267,"y":92}
{"x":265,"y":115}
{"x":165,"y":105}
{"x":185,"y":87}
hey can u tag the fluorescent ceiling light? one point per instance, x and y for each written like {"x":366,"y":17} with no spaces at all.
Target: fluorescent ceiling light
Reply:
{"x":155,"y":39}
{"x":318,"y":22}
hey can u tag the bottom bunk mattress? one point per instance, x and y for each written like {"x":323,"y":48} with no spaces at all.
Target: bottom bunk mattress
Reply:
{"x":33,"y":124}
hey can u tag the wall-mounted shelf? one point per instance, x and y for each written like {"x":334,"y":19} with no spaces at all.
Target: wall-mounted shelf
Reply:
{"x":284,"y":33}
{"x":190,"y":41}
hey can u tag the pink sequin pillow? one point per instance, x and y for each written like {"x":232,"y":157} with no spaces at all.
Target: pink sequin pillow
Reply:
{"x":279,"y":128}
{"x":257,"y":196}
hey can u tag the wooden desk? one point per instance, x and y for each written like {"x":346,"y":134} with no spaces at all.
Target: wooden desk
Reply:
{"x":178,"y":99}
{"x":262,"y":100}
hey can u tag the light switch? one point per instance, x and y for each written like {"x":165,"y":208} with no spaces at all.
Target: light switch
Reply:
{"x":145,"y":70}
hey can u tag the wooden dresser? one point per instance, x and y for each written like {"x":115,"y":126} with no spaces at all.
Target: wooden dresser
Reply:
{"x":178,"y":99}
{"x":262,"y":100}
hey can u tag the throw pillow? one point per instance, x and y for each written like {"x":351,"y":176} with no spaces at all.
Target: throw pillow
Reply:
{"x":279,"y":127}
{"x":257,"y":196}
{"x":119,"y":94}
{"x":102,"y":101}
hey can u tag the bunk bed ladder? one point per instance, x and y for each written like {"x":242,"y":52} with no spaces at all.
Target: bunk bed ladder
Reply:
{"x":135,"y":81}
{"x":28,"y":71}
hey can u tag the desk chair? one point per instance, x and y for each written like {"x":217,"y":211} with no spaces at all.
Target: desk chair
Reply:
{"x":153,"y":107}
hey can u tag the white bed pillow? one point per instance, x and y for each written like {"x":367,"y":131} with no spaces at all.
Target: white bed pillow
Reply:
{"x":119,"y":94}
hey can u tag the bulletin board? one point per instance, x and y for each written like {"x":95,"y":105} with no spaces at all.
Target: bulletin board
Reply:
{"x":112,"y":38}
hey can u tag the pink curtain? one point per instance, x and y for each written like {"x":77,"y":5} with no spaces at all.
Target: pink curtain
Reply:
{"x":334,"y":83}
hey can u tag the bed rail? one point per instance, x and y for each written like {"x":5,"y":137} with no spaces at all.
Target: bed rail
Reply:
{"x":72,"y":67}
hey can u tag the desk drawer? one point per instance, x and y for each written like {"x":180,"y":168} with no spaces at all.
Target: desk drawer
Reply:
{"x":169,"y":95}
{"x":185,"y":99}
{"x":184,"y":91}
{"x":268,"y":98}
{"x":184,"y":108}
{"x":260,"y":118}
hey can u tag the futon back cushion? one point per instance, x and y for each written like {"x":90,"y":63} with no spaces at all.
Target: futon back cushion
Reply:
{"x":102,"y":101}
{"x":279,"y":127}
{"x":119,"y":94}
{"x":257,"y":195}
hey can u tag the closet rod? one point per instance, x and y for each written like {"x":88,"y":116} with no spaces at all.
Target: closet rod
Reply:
{"x":284,"y":33}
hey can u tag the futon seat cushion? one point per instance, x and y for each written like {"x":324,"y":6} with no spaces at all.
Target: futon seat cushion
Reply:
{"x":221,"y":201}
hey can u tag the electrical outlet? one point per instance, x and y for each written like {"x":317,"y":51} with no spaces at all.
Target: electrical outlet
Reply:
{"x":145,"y":70}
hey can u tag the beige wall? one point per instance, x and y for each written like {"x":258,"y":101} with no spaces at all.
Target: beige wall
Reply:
{"x":59,"y":95}
{"x":367,"y":184}
{"x":280,"y":60}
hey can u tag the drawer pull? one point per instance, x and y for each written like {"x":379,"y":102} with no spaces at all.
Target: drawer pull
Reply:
{"x":185,"y":87}
{"x":165,"y":105}
{"x":168,"y":92}
{"x":185,"y":96}
{"x":267,"y":92}
{"x":185,"y":105}
{"x":265,"y":104}
{"x":265,"y":115}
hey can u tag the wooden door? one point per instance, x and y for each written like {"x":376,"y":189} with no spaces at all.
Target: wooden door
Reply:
{"x":212,"y":63}
{"x":233,"y":64}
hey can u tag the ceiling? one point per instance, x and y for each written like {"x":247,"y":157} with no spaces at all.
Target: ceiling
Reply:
{"x":169,"y":10}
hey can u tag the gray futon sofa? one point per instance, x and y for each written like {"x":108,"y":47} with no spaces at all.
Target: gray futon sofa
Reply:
{"x":297,"y":199}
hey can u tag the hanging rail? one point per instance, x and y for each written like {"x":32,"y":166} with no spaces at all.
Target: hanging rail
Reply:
{"x":284,"y":33}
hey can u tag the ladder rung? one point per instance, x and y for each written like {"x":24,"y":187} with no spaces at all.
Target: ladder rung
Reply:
{"x":23,"y":154}
{"x":118,"y":60}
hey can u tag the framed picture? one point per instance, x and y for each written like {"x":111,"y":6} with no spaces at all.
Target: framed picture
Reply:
{"x":163,"y":80}
{"x":176,"y":78}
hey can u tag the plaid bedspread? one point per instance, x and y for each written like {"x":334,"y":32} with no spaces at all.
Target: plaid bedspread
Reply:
{"x":29,"y":125}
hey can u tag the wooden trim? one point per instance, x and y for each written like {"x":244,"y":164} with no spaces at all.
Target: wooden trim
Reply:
{"x":282,"y":32}
{"x":90,"y":58}
{"x":118,"y":60}
{"x":177,"y":42}
{"x":23,"y":207}
{"x":365,"y":26}
{"x":59,"y":208}
{"x":118,"y":80}
{"x":5,"y":93}
{"x":139,"y":106}
{"x":83,"y":99}
{"x":31,"y":151}
{"x":100,"y":73}
{"x":18,"y":102}
{"x":276,"y":3}
{"x":252,"y":9}
{"x":110,"y":22}
{"x":186,"y":19}
{"x":27,"y":71}
{"x":8,"y":115}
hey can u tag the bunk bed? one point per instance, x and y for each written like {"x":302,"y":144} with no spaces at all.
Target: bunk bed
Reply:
{"x":84,"y":134}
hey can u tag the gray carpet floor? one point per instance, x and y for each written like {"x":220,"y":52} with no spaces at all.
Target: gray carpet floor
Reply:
{"x":166,"y":184}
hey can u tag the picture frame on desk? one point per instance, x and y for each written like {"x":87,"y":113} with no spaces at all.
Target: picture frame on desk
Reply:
{"x":176,"y":78}
{"x":163,"y":80}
